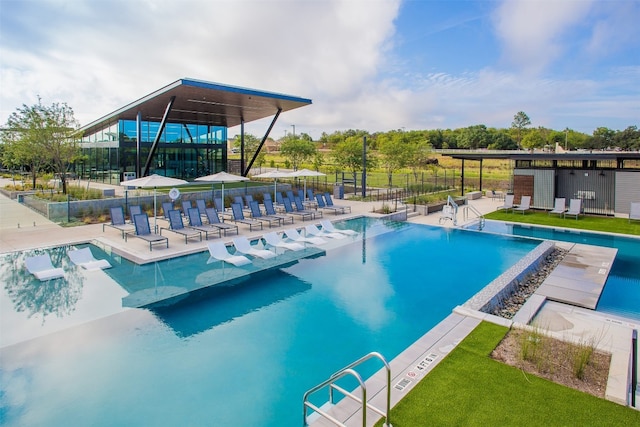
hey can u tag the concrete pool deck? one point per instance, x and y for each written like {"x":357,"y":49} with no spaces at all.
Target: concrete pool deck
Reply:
{"x":412,"y":364}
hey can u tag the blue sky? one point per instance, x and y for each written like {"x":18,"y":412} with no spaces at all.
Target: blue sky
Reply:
{"x":366,"y":64}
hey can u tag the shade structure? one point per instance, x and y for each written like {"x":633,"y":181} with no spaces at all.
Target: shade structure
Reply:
{"x":304,"y":173}
{"x":153,"y":181}
{"x":222,"y":177}
{"x":275,"y":174}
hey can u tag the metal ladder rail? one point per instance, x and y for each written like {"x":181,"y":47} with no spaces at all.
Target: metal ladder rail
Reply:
{"x":454,"y":205}
{"x":332,"y":386}
{"x":465,"y":214}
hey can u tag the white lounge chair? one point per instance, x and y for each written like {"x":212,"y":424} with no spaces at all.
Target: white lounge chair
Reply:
{"x":292,"y":234}
{"x":328,"y":226}
{"x":508,"y":202}
{"x":313,"y":230}
{"x":42,"y":268}
{"x":634,"y":211}
{"x":525,"y":205}
{"x":559,"y":207}
{"x":219,"y":251}
{"x":84,"y":258}
{"x":575,"y":208}
{"x":243,"y":246}
{"x":273,"y":239}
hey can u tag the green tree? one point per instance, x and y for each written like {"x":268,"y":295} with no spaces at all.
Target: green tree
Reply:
{"x":602,"y":138}
{"x":533,"y":139}
{"x":297,"y":150}
{"x":395,"y":153}
{"x":251,"y":144}
{"x":348,"y":155}
{"x":519,"y":124}
{"x":41,"y":137}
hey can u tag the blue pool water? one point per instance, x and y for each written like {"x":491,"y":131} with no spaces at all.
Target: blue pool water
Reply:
{"x":621,"y":294}
{"x":243,"y":355}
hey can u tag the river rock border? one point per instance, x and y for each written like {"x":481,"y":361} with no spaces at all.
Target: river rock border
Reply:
{"x":495,"y":293}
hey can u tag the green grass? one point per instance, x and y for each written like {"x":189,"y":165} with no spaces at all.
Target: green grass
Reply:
{"x":585,"y":222}
{"x":468,"y":388}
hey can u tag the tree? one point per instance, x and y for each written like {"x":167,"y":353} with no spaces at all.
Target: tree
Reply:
{"x":602,"y":138}
{"x":251,"y":144}
{"x":348,"y":155}
{"x":41,"y":137}
{"x":297,"y":150}
{"x":395,"y":153}
{"x":533,"y":139}
{"x":519,"y":124}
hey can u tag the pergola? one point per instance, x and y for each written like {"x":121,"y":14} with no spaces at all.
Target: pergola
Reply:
{"x":189,"y":101}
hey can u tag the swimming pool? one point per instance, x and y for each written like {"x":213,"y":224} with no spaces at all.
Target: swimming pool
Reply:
{"x":243,"y":355}
{"x":621,"y":294}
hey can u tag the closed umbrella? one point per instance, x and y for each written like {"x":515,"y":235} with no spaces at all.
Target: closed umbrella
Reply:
{"x":153,"y":181}
{"x":305,"y":173}
{"x":275,"y":174}
{"x":222,"y":177}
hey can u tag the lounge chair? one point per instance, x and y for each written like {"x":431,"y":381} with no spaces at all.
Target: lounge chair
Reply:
{"x":214,"y":219}
{"x":195,"y":222}
{"x":508,"y":202}
{"x":559,"y":206}
{"x":85,"y":259}
{"x":134,"y":210}
{"x":186,"y":205}
{"x":305,"y":215}
{"x":256,"y":213}
{"x":328,"y":226}
{"x":313,"y":230}
{"x":42,"y":268}
{"x":292,"y":234}
{"x":279,"y":199}
{"x":273,"y":239}
{"x":575,"y":208}
{"x":248,"y":198}
{"x":238,"y":200}
{"x":202,"y":207}
{"x":525,"y":205}
{"x":329,"y":202}
{"x":177,"y":226}
{"x":300,"y":208}
{"x":634,"y":211}
{"x":143,"y":231}
{"x":118,"y":222}
{"x":268,"y":207}
{"x":238,"y":216}
{"x":323,"y":205}
{"x":243,"y":246}
{"x":219,"y":251}
{"x":166,"y":207}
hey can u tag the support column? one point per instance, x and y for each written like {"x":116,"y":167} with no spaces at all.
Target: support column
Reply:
{"x":264,"y":139}
{"x":156,"y":140}
{"x":138,"y":143}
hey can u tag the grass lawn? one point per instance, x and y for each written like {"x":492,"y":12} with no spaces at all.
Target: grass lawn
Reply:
{"x":594,"y":223}
{"x":468,"y":388}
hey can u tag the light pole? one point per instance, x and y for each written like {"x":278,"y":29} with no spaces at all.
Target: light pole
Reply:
{"x":294,"y":130}
{"x":566,"y":138}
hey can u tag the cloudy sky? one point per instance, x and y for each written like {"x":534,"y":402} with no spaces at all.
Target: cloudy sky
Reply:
{"x":375,"y":65}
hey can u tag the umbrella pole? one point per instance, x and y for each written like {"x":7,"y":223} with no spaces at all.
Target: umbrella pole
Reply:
{"x":275,"y":189}
{"x":155,"y":211}
{"x":222,"y":204}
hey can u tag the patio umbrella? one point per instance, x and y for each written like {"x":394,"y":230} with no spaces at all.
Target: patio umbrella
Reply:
{"x":222,"y":177}
{"x":153,"y":181}
{"x":305,"y":173}
{"x":275,"y":174}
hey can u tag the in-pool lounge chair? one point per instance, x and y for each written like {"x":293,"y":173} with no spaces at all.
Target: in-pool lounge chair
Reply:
{"x":292,"y":234}
{"x":218,"y":250}
{"x":195,"y":222}
{"x":575,"y":208}
{"x":525,"y":205}
{"x":238,"y":216}
{"x":634,"y":211}
{"x":42,"y":268}
{"x":84,"y":258}
{"x":329,"y":202}
{"x":273,"y":239}
{"x":243,"y":246}
{"x":118,"y":222}
{"x":559,"y":206}
{"x":256,"y":213}
{"x":313,"y":230}
{"x":177,"y":226}
{"x":508,"y":202}
{"x":214,"y":219}
{"x":143,"y":231}
{"x":328,"y":226}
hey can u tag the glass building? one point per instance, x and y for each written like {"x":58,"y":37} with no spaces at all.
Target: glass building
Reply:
{"x":178,"y":131}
